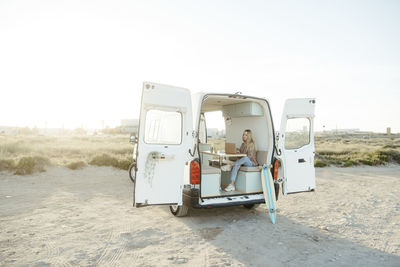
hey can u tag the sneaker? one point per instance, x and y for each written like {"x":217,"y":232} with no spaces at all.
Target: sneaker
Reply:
{"x":226,"y":168}
{"x":229,"y":188}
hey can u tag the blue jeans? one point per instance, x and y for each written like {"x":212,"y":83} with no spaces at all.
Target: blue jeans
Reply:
{"x":243,"y":161}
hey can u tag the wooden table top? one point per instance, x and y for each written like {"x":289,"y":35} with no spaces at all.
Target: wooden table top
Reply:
{"x":220,"y":154}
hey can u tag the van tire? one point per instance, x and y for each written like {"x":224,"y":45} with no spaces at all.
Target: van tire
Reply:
{"x":250,"y":206}
{"x":179,"y":211}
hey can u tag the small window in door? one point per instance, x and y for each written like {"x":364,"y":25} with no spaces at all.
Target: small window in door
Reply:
{"x":163,"y":127}
{"x":297,"y":133}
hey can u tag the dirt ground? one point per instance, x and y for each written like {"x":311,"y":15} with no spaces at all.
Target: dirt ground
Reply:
{"x":67,"y":218}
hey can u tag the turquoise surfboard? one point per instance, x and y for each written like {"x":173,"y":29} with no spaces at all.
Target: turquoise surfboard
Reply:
{"x":269,"y":192}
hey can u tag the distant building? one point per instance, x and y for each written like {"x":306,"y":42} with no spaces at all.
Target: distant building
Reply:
{"x":8,"y":130}
{"x":29,"y":131}
{"x":348,"y":131}
{"x":50,"y":131}
{"x":343,"y":131}
{"x":388,"y":130}
{"x":130,"y":125}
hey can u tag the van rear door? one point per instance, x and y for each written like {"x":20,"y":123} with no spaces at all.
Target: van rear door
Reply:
{"x":296,"y":143}
{"x":164,"y":139}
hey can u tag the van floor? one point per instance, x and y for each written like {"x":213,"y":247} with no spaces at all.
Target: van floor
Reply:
{"x":223,"y":193}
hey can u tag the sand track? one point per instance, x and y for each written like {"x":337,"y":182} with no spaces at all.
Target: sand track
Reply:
{"x":68,"y":218}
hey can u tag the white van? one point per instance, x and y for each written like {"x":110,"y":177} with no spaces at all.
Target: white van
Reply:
{"x":177,"y":165}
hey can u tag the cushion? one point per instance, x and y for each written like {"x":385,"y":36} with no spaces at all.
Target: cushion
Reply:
{"x":250,"y":169}
{"x":261,"y":157}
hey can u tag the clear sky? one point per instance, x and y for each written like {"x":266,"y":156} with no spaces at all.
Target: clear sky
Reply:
{"x":80,"y":62}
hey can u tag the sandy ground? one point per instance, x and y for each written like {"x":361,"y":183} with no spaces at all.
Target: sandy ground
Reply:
{"x":67,"y":218}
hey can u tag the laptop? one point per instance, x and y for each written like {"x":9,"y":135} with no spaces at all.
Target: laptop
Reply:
{"x":230,"y":148}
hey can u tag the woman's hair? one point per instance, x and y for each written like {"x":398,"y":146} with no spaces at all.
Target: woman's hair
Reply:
{"x":250,"y":141}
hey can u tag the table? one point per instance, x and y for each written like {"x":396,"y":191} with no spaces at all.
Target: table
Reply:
{"x":222,"y":156}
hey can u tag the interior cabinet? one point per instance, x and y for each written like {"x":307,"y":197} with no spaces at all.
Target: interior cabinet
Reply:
{"x":243,"y":110}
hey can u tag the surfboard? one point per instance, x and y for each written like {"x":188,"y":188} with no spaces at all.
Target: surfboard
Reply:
{"x":269,"y":192}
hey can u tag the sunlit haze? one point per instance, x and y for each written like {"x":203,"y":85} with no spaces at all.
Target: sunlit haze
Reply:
{"x":79,"y":63}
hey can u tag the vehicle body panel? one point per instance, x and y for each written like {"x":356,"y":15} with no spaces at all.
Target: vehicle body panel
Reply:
{"x":161,"y":158}
{"x":298,"y":162}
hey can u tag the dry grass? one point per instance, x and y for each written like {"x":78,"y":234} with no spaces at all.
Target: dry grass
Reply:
{"x":74,"y":152}
{"x":31,"y":164}
{"x":113,"y":161}
{"x":76,"y":165}
{"x":31,"y":153}
{"x":351,"y":150}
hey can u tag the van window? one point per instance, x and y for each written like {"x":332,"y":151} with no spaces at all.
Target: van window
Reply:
{"x":163,"y":127}
{"x":215,"y":124}
{"x":215,"y":130}
{"x":297,"y":133}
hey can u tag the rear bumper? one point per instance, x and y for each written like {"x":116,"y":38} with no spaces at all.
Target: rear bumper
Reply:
{"x":191,"y":198}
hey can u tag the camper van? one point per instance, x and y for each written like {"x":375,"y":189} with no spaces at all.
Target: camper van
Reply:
{"x":178,"y":163}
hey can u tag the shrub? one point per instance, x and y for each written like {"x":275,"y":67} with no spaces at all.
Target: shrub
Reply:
{"x":124,"y":163}
{"x":107,"y":160}
{"x":28,"y":165}
{"x":104,"y":160}
{"x":387,"y":155}
{"x":333,"y":153}
{"x":7,"y":164}
{"x":319,"y":163}
{"x":391,"y":146}
{"x":349,"y":163}
{"x":368,"y":162}
{"x":76,"y":165}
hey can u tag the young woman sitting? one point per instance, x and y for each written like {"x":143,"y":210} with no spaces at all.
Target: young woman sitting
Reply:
{"x":248,"y":147}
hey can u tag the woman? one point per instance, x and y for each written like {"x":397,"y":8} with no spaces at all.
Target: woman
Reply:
{"x":249,"y":148}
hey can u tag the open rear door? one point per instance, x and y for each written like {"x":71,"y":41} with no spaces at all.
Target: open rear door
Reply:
{"x":165,"y":137}
{"x":297,"y":145}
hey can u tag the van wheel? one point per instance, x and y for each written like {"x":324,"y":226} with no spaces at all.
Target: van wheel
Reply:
{"x":179,"y":211}
{"x":250,"y":206}
{"x":132,"y":172}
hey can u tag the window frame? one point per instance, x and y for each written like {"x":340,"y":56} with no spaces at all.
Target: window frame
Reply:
{"x":169,"y":144}
{"x":309,"y":133}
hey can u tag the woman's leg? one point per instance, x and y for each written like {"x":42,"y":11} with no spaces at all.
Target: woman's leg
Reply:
{"x":247,"y":162}
{"x":243,"y":161}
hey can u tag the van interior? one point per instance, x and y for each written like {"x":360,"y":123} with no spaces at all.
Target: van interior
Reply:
{"x":222,"y":122}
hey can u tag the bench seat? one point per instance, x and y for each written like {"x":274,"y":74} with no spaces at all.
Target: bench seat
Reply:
{"x":250,"y":169}
{"x":248,"y":179}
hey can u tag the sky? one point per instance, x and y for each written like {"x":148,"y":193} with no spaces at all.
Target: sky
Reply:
{"x":78,"y":63}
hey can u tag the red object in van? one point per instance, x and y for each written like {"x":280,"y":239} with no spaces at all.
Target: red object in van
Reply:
{"x":276,"y":166}
{"x":194,"y":172}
